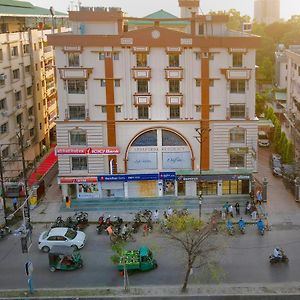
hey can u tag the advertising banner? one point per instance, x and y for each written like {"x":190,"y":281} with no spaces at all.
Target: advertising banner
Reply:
{"x":177,"y":160}
{"x":142,"y":161}
{"x":87,"y":151}
{"x":69,"y":180}
{"x":88,"y":190}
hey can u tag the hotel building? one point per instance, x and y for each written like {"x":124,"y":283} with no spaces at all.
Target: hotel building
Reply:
{"x":132,"y":91}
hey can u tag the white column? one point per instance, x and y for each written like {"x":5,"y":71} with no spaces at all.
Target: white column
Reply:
{"x":126,"y":189}
{"x":160,"y":188}
{"x":220,"y":187}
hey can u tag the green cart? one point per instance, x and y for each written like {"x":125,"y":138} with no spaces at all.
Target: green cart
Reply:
{"x":137,"y":260}
{"x":64,"y":258}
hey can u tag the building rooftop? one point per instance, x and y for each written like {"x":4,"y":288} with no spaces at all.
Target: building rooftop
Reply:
{"x":160,"y":14}
{"x":25,"y":9}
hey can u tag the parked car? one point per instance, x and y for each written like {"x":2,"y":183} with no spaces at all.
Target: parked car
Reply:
{"x":276,"y":164}
{"x":263,"y":140}
{"x":275,"y":156}
{"x":277,"y":172}
{"x":61,"y":236}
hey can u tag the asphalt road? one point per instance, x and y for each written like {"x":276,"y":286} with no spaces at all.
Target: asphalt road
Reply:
{"x":243,"y":258}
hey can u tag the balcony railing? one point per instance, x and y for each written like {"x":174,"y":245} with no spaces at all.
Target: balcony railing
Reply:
{"x":142,"y":99}
{"x":173,"y":73}
{"x":174,"y":99}
{"x":75,"y":73}
{"x":141,"y":73}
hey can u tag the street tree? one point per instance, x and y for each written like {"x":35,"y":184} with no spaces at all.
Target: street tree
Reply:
{"x":194,"y":237}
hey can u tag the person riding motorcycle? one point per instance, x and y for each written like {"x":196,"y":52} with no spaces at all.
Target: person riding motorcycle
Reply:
{"x":242,"y":223}
{"x":124,"y":230}
{"x":277,"y":252}
{"x":260,"y":224}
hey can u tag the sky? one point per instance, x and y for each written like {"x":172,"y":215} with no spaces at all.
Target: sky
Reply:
{"x":140,"y":8}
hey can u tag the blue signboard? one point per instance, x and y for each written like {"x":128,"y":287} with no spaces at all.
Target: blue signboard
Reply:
{"x":137,"y":177}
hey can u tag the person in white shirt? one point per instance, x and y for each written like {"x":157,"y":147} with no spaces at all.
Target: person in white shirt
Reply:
{"x":156,"y":216}
{"x":170,"y":211}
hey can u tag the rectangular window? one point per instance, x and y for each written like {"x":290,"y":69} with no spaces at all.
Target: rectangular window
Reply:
{"x":201,"y":29}
{"x":37,"y":86}
{"x":5,"y":152}
{"x":198,"y":82}
{"x":79,"y":163}
{"x":30,"y":111}
{"x":237,"y":86}
{"x":174,"y":60}
{"x":237,"y":161}
{"x":40,"y":45}
{"x":198,"y":108}
{"x":3,"y":103}
{"x":198,"y":55}
{"x":237,"y":135}
{"x":237,"y":111}
{"x":2,"y":79}
{"x":174,"y":86}
{"x":142,"y":86}
{"x":118,"y":108}
{"x":101,"y":56}
{"x":26,"y":49}
{"x":141,"y":59}
{"x":18,"y":96}
{"x":116,"y":55}
{"x":27,"y":69}
{"x":174,"y":112}
{"x":16,"y":74}
{"x":73,"y":59}
{"x":211,"y":56}
{"x":143,"y":112}
{"x":1,"y":54}
{"x":102,"y":82}
{"x":211,"y":82}
{"x":117,"y":82}
{"x":29,"y":91}
{"x":31,"y":132}
{"x":77,"y":112}
{"x":103,"y":109}
{"x":14,"y":51}
{"x":76,"y":86}
{"x":298,"y":70}
{"x":78,"y":138}
{"x":19,"y":118}
{"x":4,"y":128}
{"x":237,"y":59}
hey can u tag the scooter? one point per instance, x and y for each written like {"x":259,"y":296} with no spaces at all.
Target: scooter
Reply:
{"x":230,"y":228}
{"x":103,"y":224}
{"x":4,"y":232}
{"x":242,"y":226}
{"x":261,"y":227}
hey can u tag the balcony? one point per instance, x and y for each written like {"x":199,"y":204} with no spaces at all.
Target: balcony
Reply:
{"x":49,"y":73}
{"x":236,"y":73}
{"x":141,"y":73}
{"x":142,"y":99}
{"x":174,"y":99}
{"x":75,"y":73}
{"x":173,"y":73}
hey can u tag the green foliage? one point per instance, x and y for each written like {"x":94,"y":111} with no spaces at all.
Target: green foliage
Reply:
{"x":261,"y":102}
{"x":118,"y":249}
{"x":185,"y":223}
{"x":290,"y":153}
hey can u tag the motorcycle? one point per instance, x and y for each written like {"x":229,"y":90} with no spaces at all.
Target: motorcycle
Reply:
{"x":136,"y":222}
{"x":230,"y":228}
{"x":117,"y":224}
{"x":58,"y":223}
{"x":4,"y":232}
{"x":242,"y":226}
{"x":278,"y":259}
{"x":260,"y":227}
{"x":82,"y":220}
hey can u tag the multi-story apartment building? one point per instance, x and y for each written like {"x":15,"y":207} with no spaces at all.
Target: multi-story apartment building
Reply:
{"x":293,"y":97}
{"x":281,"y":67}
{"x":266,"y":11}
{"x":131,"y":93}
{"x":27,"y":82}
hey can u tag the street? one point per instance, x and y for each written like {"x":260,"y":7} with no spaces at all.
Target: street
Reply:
{"x":242,"y":259}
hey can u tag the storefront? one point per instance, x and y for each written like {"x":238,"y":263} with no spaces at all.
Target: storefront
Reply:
{"x":210,"y":183}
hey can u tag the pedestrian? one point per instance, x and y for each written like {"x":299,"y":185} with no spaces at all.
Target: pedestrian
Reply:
{"x":145,"y":229}
{"x":249,"y":208}
{"x":223,"y":214}
{"x":237,"y":208}
{"x":230,"y":210}
{"x":15,"y":203}
{"x":259,"y":197}
{"x":68,"y":202}
{"x":156,"y":216}
{"x":170,"y":211}
{"x":226,"y":206}
{"x":246,"y":208}
{"x":254,"y":215}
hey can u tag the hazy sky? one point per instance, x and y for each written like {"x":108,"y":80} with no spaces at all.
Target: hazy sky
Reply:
{"x":140,"y":8}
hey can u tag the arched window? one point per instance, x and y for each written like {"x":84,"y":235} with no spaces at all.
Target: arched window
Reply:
{"x":78,"y":137}
{"x":237,"y":135}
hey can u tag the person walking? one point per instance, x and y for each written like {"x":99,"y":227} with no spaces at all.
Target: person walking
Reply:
{"x":156,"y":216}
{"x":15,"y":203}
{"x":237,"y":208}
{"x":259,"y":197}
{"x":230,"y":210}
{"x":68,"y":202}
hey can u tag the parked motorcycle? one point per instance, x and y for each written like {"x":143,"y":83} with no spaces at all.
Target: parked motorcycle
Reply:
{"x":59,"y":222}
{"x":260,"y":226}
{"x":242,"y":226}
{"x":82,"y":219}
{"x":4,"y":232}
{"x":137,"y":222}
{"x":230,"y":228}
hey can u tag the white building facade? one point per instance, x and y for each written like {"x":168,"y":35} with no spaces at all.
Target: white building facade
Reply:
{"x":130,"y":100}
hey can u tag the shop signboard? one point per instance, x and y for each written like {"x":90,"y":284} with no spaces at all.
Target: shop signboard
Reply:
{"x":74,"y":180}
{"x":167,"y":175}
{"x":128,"y":177}
{"x":87,"y":151}
{"x":212,"y":177}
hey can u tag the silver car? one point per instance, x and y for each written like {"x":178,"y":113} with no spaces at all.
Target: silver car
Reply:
{"x":61,"y":236}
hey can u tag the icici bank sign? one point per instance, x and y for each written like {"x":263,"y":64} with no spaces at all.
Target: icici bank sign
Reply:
{"x":87,"y":151}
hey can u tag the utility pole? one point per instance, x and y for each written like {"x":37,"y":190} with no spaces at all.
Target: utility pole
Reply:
{"x":2,"y":186}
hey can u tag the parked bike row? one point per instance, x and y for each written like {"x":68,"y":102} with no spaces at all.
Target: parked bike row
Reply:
{"x":78,"y":221}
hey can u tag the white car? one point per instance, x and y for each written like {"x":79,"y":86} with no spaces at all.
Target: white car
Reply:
{"x":61,"y":236}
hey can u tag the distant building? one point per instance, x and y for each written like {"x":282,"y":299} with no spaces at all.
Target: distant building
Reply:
{"x":281,"y":67}
{"x":27,"y":82}
{"x":131,"y":93}
{"x":266,"y":11}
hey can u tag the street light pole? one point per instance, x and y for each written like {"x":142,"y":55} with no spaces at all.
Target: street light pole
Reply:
{"x":200,"y":203}
{"x":2,"y":186}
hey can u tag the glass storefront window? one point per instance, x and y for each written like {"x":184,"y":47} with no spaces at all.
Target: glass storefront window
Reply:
{"x":226,"y":187}
{"x":207,"y":187}
{"x":169,"y":187}
{"x":235,"y":187}
{"x":181,"y":188}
